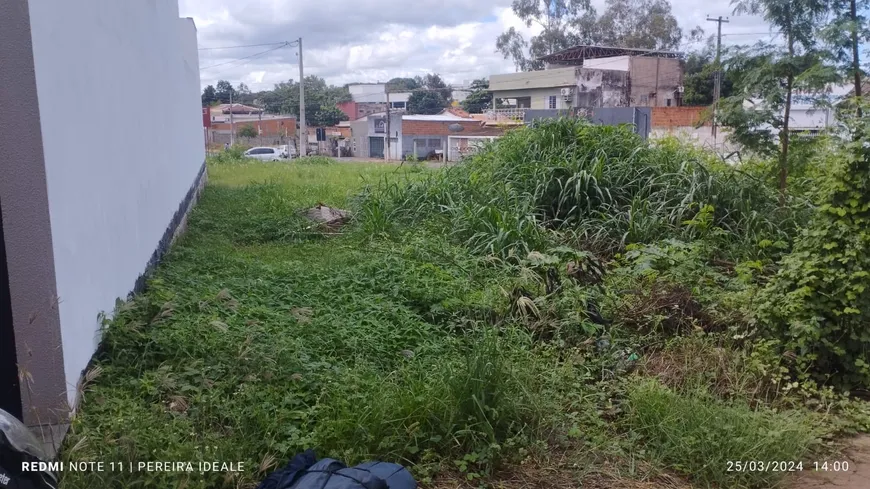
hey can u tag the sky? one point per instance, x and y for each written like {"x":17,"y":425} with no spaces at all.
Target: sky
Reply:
{"x":346,"y":41}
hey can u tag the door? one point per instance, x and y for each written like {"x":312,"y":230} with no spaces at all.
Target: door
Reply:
{"x":10,"y":393}
{"x":376,"y":147}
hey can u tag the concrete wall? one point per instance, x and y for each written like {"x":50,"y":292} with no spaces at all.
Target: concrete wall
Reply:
{"x":646,"y":90}
{"x":370,"y":92}
{"x":110,"y":204}
{"x":602,"y":88}
{"x":539,"y":96}
{"x":619,"y":63}
{"x":559,"y":77}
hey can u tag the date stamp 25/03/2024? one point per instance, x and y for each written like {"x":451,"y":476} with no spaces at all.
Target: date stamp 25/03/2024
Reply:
{"x":786,"y":466}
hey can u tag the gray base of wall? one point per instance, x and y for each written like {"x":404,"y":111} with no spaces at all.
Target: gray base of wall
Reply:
{"x":176,"y":227}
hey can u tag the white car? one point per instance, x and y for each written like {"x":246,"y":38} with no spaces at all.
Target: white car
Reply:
{"x":264,"y":154}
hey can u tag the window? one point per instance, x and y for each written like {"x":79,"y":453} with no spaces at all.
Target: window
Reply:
{"x":435,"y":143}
{"x":261,"y":151}
{"x":551,"y":103}
{"x":668,"y":102}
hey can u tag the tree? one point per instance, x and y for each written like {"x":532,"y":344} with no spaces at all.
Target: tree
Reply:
{"x":326,"y":115}
{"x":648,"y":24}
{"x":555,"y":16}
{"x":479,"y":99}
{"x":404,"y":84}
{"x":284,"y":99}
{"x":433,"y":82}
{"x":425,"y":102}
{"x":247,"y":131}
{"x":209,"y":96}
{"x":644,"y":24}
{"x":769,"y":75}
{"x":243,"y":95}
{"x":224,"y":91}
{"x":698,"y":81}
{"x":848,"y":28}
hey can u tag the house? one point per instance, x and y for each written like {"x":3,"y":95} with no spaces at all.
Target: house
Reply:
{"x":86,"y":210}
{"x":237,"y":109}
{"x":444,"y":134}
{"x":594,"y":76}
{"x":376,"y":93}
{"x":357,"y":110}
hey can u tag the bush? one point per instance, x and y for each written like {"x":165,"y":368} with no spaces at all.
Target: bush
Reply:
{"x":234,"y":155}
{"x":819,"y":301}
{"x":699,"y":435}
{"x":600,"y":185}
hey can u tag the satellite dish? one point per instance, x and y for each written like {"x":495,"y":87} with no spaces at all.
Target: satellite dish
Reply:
{"x":456,"y":127}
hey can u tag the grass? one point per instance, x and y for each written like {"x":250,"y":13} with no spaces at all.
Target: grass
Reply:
{"x":701,"y":436}
{"x":451,"y":325}
{"x":256,"y":340}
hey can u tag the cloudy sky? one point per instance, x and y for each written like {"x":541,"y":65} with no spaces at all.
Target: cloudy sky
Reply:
{"x":374,"y":40}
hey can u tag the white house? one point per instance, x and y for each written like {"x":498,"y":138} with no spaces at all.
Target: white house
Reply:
{"x":89,"y":203}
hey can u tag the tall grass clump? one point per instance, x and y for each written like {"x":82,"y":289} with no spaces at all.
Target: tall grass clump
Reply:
{"x":600,"y":185}
{"x":470,"y":401}
{"x":704,"y":437}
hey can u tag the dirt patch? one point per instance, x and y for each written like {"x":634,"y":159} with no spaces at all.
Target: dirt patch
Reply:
{"x":668,"y":307}
{"x":857,"y":476}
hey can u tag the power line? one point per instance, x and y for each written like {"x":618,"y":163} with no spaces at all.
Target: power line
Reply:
{"x":244,"y":46}
{"x":285,"y":44}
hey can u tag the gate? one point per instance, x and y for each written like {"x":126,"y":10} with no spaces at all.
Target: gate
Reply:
{"x":376,"y":147}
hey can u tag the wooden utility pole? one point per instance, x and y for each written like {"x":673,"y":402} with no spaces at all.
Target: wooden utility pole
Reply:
{"x":717,"y":87}
{"x":387,"y":127}
{"x":303,"y":129}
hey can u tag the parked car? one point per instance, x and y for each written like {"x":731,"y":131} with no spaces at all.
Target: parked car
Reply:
{"x":264,"y":154}
{"x":288,"y":151}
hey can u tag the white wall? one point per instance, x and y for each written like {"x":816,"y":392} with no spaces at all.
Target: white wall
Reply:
{"x":374,"y":92}
{"x":540,"y":97}
{"x":557,"y":77}
{"x":115,"y":177}
{"x":617,"y":63}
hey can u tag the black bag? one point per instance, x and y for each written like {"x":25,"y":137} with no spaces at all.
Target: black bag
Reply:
{"x":17,"y":447}
{"x":304,"y":471}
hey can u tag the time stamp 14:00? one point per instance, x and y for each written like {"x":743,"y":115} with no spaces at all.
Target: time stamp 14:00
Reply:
{"x":786,"y":466}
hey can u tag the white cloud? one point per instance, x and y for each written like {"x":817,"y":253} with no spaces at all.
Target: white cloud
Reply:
{"x":375,"y":40}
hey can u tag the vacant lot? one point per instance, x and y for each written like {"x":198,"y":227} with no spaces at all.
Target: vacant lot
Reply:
{"x":442,"y":331}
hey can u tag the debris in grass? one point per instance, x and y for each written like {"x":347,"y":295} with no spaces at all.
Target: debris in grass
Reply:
{"x":302,"y":314}
{"x":331,"y":217}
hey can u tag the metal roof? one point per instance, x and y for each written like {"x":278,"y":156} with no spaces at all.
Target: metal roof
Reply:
{"x":581,"y":52}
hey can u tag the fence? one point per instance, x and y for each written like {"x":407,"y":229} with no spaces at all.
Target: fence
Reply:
{"x":459,"y":147}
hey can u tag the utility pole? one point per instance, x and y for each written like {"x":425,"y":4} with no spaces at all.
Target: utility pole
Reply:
{"x":717,"y":88}
{"x":387,"y":128}
{"x":232,"y":129}
{"x":303,"y":129}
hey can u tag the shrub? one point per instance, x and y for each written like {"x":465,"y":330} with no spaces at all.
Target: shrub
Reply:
{"x":819,"y":301}
{"x":600,"y":185}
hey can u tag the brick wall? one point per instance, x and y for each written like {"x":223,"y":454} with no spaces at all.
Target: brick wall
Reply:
{"x":678,"y":116}
{"x":270,"y":127}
